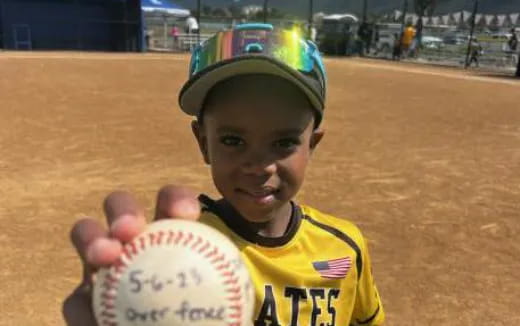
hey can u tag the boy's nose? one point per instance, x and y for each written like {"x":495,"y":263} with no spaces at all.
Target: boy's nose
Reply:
{"x":259,"y":165}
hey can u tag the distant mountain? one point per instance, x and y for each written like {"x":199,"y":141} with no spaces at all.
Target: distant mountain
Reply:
{"x":300,"y":7}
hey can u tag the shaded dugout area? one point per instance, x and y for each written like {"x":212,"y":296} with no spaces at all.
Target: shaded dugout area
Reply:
{"x":102,"y":25}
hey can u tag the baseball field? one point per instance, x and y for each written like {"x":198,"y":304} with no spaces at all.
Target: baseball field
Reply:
{"x":425,"y":160}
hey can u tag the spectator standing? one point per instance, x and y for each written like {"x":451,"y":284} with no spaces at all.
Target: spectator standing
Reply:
{"x":475,"y":52}
{"x":175,"y":35}
{"x":396,"y":53}
{"x":407,"y":39}
{"x":513,"y":41}
{"x":377,"y":37}
{"x":148,"y":38}
{"x":363,"y":35}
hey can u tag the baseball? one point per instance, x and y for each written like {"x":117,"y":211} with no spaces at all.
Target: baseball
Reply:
{"x":175,"y":273}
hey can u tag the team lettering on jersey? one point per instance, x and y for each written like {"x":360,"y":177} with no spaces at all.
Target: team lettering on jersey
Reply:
{"x":296,"y":296}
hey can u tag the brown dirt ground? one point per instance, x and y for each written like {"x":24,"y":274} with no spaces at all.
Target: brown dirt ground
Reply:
{"x":424,"y":160}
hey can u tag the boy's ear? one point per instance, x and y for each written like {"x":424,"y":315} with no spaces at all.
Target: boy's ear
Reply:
{"x":316,"y":137}
{"x":202,"y":140}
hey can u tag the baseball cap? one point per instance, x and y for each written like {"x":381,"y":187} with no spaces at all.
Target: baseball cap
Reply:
{"x":255,"y":49}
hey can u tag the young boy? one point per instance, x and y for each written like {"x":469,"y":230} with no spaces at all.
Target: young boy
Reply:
{"x":258,"y":98}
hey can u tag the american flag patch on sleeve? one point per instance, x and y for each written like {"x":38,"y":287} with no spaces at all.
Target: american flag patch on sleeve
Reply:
{"x":333,"y":269}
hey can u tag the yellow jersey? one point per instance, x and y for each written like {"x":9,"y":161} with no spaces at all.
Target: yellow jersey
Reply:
{"x":408,"y":35}
{"x":317,"y":274}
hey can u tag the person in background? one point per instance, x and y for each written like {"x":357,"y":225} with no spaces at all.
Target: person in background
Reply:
{"x":369,"y":37}
{"x":175,"y":34}
{"x":407,"y":39}
{"x":513,"y":41}
{"x":396,"y":53}
{"x":475,"y":52}
{"x":362,"y":38}
{"x":148,"y":38}
{"x":376,"y":39}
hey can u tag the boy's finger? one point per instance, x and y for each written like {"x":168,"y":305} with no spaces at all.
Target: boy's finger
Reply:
{"x":93,"y":246}
{"x":83,"y":233}
{"x":124,"y":215}
{"x":177,"y":202}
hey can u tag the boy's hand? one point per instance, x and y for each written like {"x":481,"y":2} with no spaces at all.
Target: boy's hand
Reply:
{"x":98,"y":247}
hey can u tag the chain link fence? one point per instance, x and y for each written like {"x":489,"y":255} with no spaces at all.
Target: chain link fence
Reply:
{"x":441,"y":44}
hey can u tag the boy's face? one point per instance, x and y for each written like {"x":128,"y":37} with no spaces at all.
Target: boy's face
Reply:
{"x":258,"y":135}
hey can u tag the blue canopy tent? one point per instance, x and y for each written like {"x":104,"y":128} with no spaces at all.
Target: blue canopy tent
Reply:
{"x":165,"y":7}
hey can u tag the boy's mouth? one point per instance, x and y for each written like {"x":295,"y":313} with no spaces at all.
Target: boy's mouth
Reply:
{"x":261,"y":196}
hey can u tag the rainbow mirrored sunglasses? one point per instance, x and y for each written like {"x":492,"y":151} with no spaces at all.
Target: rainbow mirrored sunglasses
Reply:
{"x":284,"y":46}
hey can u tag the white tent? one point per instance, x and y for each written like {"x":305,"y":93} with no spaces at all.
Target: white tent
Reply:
{"x":514,"y":18}
{"x":397,"y":14}
{"x":164,"y":6}
{"x":489,"y":19}
{"x":445,"y":19}
{"x":456,"y":17}
{"x":411,"y":18}
{"x":501,"y":20}
{"x":478,"y":18}
{"x":436,"y":20}
{"x":467,"y":16}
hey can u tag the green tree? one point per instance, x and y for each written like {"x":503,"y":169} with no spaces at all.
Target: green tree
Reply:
{"x":207,"y":10}
{"x":235,"y":10}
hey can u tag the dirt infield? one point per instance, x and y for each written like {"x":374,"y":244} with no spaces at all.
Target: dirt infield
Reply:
{"x":425,"y":160}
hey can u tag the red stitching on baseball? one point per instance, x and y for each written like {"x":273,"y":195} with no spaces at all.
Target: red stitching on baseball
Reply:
{"x":159,"y":239}
{"x":188,"y":240}
{"x":235,"y":289}
{"x":171,"y":234}
{"x":197,"y":242}
{"x":204,"y":247}
{"x":179,"y":237}
{"x":107,"y":295}
{"x":231,"y":281}
{"x":227,"y":273}
{"x":108,"y":314}
{"x":222,"y":266}
{"x":235,"y":298}
{"x":217,"y":259}
{"x":127,"y":254}
{"x":151,"y":238}
{"x":212,"y":253}
{"x":133,"y":248}
{"x":107,"y":305}
{"x":119,"y":266}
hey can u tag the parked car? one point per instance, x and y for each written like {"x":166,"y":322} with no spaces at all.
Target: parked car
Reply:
{"x":432,"y":42}
{"x":501,"y":36}
{"x":455,"y":39}
{"x":387,"y":38}
{"x":386,"y":42}
{"x":336,"y":34}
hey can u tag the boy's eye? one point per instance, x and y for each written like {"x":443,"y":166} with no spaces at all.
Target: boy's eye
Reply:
{"x":287,"y":143}
{"x":231,"y":140}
